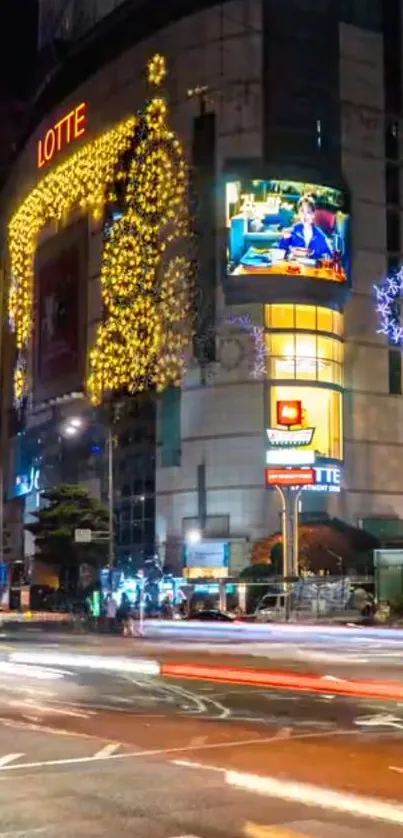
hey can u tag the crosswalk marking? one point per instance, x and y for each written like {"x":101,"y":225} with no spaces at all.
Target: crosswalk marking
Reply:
{"x":9,"y":758}
{"x":107,"y":750}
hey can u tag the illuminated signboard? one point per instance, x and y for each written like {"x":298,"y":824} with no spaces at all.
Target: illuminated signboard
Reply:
{"x":290,"y":457}
{"x":328,"y":479}
{"x":290,"y":476}
{"x":27,"y":483}
{"x":289,"y":413}
{"x":68,"y":129}
{"x":282,"y":438}
{"x":288,"y":228}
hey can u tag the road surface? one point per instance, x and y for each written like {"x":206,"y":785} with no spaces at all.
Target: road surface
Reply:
{"x":86,"y":752}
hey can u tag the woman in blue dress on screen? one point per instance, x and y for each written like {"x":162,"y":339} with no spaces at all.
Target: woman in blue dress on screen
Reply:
{"x":305,"y":235}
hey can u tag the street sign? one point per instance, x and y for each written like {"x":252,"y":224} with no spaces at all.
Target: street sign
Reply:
{"x":82,"y":536}
{"x":289,"y":412}
{"x":283,"y":437}
{"x":290,"y":477}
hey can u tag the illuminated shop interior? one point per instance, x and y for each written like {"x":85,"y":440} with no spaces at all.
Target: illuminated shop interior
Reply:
{"x":304,"y":344}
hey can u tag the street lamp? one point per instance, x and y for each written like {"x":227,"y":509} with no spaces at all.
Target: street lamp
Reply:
{"x":193,"y":537}
{"x":71,"y":428}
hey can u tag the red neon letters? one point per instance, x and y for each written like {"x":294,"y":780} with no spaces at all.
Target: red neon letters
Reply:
{"x":69,"y":128}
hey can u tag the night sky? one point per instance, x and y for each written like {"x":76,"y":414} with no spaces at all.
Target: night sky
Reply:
{"x":18,"y":46}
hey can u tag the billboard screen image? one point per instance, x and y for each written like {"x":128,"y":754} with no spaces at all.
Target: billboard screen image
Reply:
{"x":288,"y":228}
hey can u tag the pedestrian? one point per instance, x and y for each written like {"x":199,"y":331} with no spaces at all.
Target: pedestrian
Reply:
{"x":111,"y":609}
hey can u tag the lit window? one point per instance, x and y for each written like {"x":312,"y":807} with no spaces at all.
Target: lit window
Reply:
{"x":337,"y":323}
{"x":305,"y":317}
{"x":325,"y":320}
{"x":281,"y":355}
{"x":304,"y":356}
{"x":279,"y":316}
{"x":321,"y":410}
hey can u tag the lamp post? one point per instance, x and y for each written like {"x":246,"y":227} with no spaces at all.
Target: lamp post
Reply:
{"x":72,"y":428}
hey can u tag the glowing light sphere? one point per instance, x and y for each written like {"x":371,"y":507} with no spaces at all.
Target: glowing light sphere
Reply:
{"x":388,"y":296}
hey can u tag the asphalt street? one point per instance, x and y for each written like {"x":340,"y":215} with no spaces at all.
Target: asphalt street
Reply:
{"x":94,"y":753}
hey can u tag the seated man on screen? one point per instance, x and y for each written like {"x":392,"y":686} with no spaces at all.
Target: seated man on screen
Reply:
{"x":305,"y":238}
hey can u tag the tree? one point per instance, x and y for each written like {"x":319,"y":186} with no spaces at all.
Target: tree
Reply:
{"x":69,"y":508}
{"x":330,"y":545}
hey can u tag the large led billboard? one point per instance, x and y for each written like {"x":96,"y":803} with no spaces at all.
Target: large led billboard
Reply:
{"x":286,"y":228}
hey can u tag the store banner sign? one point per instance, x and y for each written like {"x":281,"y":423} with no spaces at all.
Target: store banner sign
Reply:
{"x":290,"y":457}
{"x":290,"y":476}
{"x":289,"y":413}
{"x":282,"y":437}
{"x":328,"y":479}
{"x":207,"y":554}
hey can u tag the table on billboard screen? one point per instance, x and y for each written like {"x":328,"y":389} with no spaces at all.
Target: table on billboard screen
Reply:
{"x":289,"y":228}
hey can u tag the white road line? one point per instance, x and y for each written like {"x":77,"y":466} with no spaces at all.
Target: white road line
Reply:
{"x":370,"y":808}
{"x":9,"y":758}
{"x":107,"y":750}
{"x":396,"y":768}
{"x":178,"y":750}
{"x":24,"y":834}
{"x":43,"y":708}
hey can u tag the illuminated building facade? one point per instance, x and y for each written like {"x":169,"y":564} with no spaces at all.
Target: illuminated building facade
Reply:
{"x":293,"y":143}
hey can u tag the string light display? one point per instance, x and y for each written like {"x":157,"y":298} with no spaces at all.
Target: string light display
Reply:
{"x":80,"y":181}
{"x":245,"y":323}
{"x":146,"y":283}
{"x":388,"y":295}
{"x":145,"y":278}
{"x":157,"y":69}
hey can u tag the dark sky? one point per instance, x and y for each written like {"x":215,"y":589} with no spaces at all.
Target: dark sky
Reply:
{"x":18,"y":21}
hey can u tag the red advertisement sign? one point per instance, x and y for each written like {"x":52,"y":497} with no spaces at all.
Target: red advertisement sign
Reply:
{"x":290,"y":477}
{"x":57,"y":324}
{"x":289,"y":413}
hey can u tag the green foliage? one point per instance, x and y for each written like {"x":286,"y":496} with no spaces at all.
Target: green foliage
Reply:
{"x":69,"y":508}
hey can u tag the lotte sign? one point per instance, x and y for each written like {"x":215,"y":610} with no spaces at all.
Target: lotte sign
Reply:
{"x":65,"y":131}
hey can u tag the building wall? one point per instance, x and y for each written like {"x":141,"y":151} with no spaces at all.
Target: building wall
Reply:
{"x":223,"y":419}
{"x":373,"y":416}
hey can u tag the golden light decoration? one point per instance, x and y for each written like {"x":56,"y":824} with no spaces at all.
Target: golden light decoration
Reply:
{"x":156,"y":70}
{"x":80,"y":181}
{"x":146,"y":289}
{"x":146,"y":277}
{"x":19,"y":383}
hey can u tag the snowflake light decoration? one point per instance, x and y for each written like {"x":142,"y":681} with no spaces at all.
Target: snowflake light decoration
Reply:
{"x":388,"y":294}
{"x":245,"y":323}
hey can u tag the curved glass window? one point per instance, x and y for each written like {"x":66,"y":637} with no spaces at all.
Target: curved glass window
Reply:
{"x":304,"y":317}
{"x":321,"y":410}
{"x":304,"y":356}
